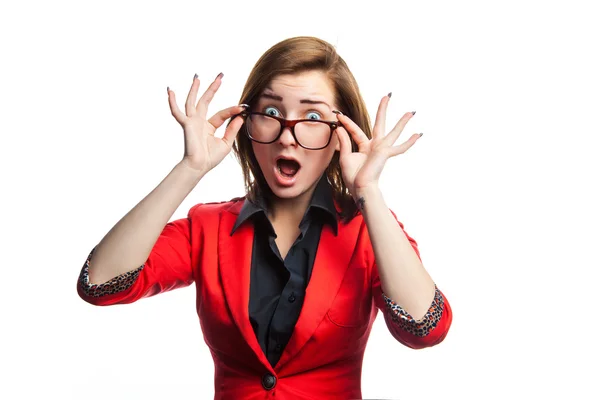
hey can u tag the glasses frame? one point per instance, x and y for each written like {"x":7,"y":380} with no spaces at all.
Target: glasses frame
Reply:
{"x":290,"y":123}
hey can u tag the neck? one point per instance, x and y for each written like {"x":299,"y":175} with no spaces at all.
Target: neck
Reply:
{"x":290,"y":210}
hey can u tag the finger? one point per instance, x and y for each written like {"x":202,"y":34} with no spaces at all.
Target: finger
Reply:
{"x":357,"y":134}
{"x":391,"y":138}
{"x":345,"y":142}
{"x":219,"y":118}
{"x":191,"y":98}
{"x":175,"y":111}
{"x":395,"y":150}
{"x":232,"y":130}
{"x":208,"y":95}
{"x":379,"y":127}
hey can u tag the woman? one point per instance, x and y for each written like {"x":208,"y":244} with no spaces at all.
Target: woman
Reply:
{"x":289,"y":278}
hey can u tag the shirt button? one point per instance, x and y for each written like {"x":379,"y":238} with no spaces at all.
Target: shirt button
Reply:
{"x":268,"y":381}
{"x":292,"y":298}
{"x":278,"y":347}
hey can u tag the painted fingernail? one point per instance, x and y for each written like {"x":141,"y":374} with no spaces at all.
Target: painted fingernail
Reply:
{"x":219,"y":76}
{"x":337,"y":112}
{"x":390,"y":94}
{"x":195,"y":76}
{"x":420,"y":134}
{"x":244,"y":105}
{"x":167,"y":90}
{"x":414,"y":112}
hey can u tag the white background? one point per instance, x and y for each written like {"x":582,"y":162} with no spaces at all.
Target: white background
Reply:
{"x":500,"y":192}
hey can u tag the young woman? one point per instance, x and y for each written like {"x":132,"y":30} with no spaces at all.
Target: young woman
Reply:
{"x":289,"y":278}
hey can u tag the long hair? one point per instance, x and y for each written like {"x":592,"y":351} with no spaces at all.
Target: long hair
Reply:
{"x":291,"y":56}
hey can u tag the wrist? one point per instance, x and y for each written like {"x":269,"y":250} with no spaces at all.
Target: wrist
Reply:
{"x":365,"y":194}
{"x":189,"y":171}
{"x":366,"y":191}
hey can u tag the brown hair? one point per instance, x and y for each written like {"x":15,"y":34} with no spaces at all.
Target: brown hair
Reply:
{"x":291,"y":56}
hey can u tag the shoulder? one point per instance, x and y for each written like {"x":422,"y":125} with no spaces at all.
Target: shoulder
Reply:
{"x":215,"y":208}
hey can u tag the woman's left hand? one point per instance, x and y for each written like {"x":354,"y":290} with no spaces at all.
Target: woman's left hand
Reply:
{"x":361,"y":170}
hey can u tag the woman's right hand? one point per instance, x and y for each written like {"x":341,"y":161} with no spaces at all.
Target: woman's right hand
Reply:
{"x":204,"y":151}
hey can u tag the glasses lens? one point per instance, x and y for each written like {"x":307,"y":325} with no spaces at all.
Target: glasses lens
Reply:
{"x":313,"y":135}
{"x":310,"y":134}
{"x":262,"y":128}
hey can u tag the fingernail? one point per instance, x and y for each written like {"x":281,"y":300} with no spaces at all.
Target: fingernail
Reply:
{"x":219,"y":76}
{"x":167,"y":90}
{"x":390,"y":94}
{"x":244,"y":105}
{"x":337,"y":112}
{"x":414,"y":112}
{"x":195,"y":76}
{"x":420,"y":134}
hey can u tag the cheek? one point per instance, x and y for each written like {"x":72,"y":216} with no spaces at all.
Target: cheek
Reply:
{"x":335,"y":142}
{"x":321,"y":160}
{"x":260,"y":153}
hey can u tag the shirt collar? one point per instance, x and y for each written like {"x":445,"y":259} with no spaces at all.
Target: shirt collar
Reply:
{"x":322,"y":199}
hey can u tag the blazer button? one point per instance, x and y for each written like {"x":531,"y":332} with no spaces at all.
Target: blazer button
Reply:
{"x":268,"y":381}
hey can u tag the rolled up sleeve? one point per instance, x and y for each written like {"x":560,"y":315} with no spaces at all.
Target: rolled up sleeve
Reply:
{"x":168,"y":267}
{"x":429,"y":330}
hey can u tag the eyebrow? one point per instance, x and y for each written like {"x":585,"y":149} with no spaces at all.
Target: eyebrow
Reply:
{"x":303,"y":101}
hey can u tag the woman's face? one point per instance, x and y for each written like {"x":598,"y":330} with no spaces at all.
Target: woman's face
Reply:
{"x":286,"y":96}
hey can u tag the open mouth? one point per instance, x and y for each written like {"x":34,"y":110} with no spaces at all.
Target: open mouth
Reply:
{"x":287,"y":168}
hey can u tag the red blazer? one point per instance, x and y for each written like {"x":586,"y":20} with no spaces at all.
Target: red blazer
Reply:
{"x":323,"y":358}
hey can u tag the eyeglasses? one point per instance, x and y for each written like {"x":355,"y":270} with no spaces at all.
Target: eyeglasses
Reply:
{"x":311,"y":134}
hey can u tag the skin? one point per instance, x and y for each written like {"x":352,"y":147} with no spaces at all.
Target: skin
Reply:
{"x":403,"y":276}
{"x":291,"y":202}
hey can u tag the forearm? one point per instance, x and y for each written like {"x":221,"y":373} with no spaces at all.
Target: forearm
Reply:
{"x":403,"y":277}
{"x":129,"y":243}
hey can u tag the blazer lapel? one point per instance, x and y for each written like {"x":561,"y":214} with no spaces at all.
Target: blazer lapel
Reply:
{"x":331,"y":262}
{"x":235,"y":256}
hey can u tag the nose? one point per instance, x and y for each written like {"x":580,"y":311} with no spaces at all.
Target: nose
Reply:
{"x":286,"y":138}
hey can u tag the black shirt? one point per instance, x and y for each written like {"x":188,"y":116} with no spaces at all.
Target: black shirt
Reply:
{"x":278,"y":286}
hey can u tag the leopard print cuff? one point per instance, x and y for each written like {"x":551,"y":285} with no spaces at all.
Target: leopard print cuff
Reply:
{"x":115,"y":285}
{"x":423,"y":326}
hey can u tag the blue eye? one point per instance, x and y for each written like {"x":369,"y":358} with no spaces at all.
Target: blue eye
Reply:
{"x":269,"y":111}
{"x":274,"y":112}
